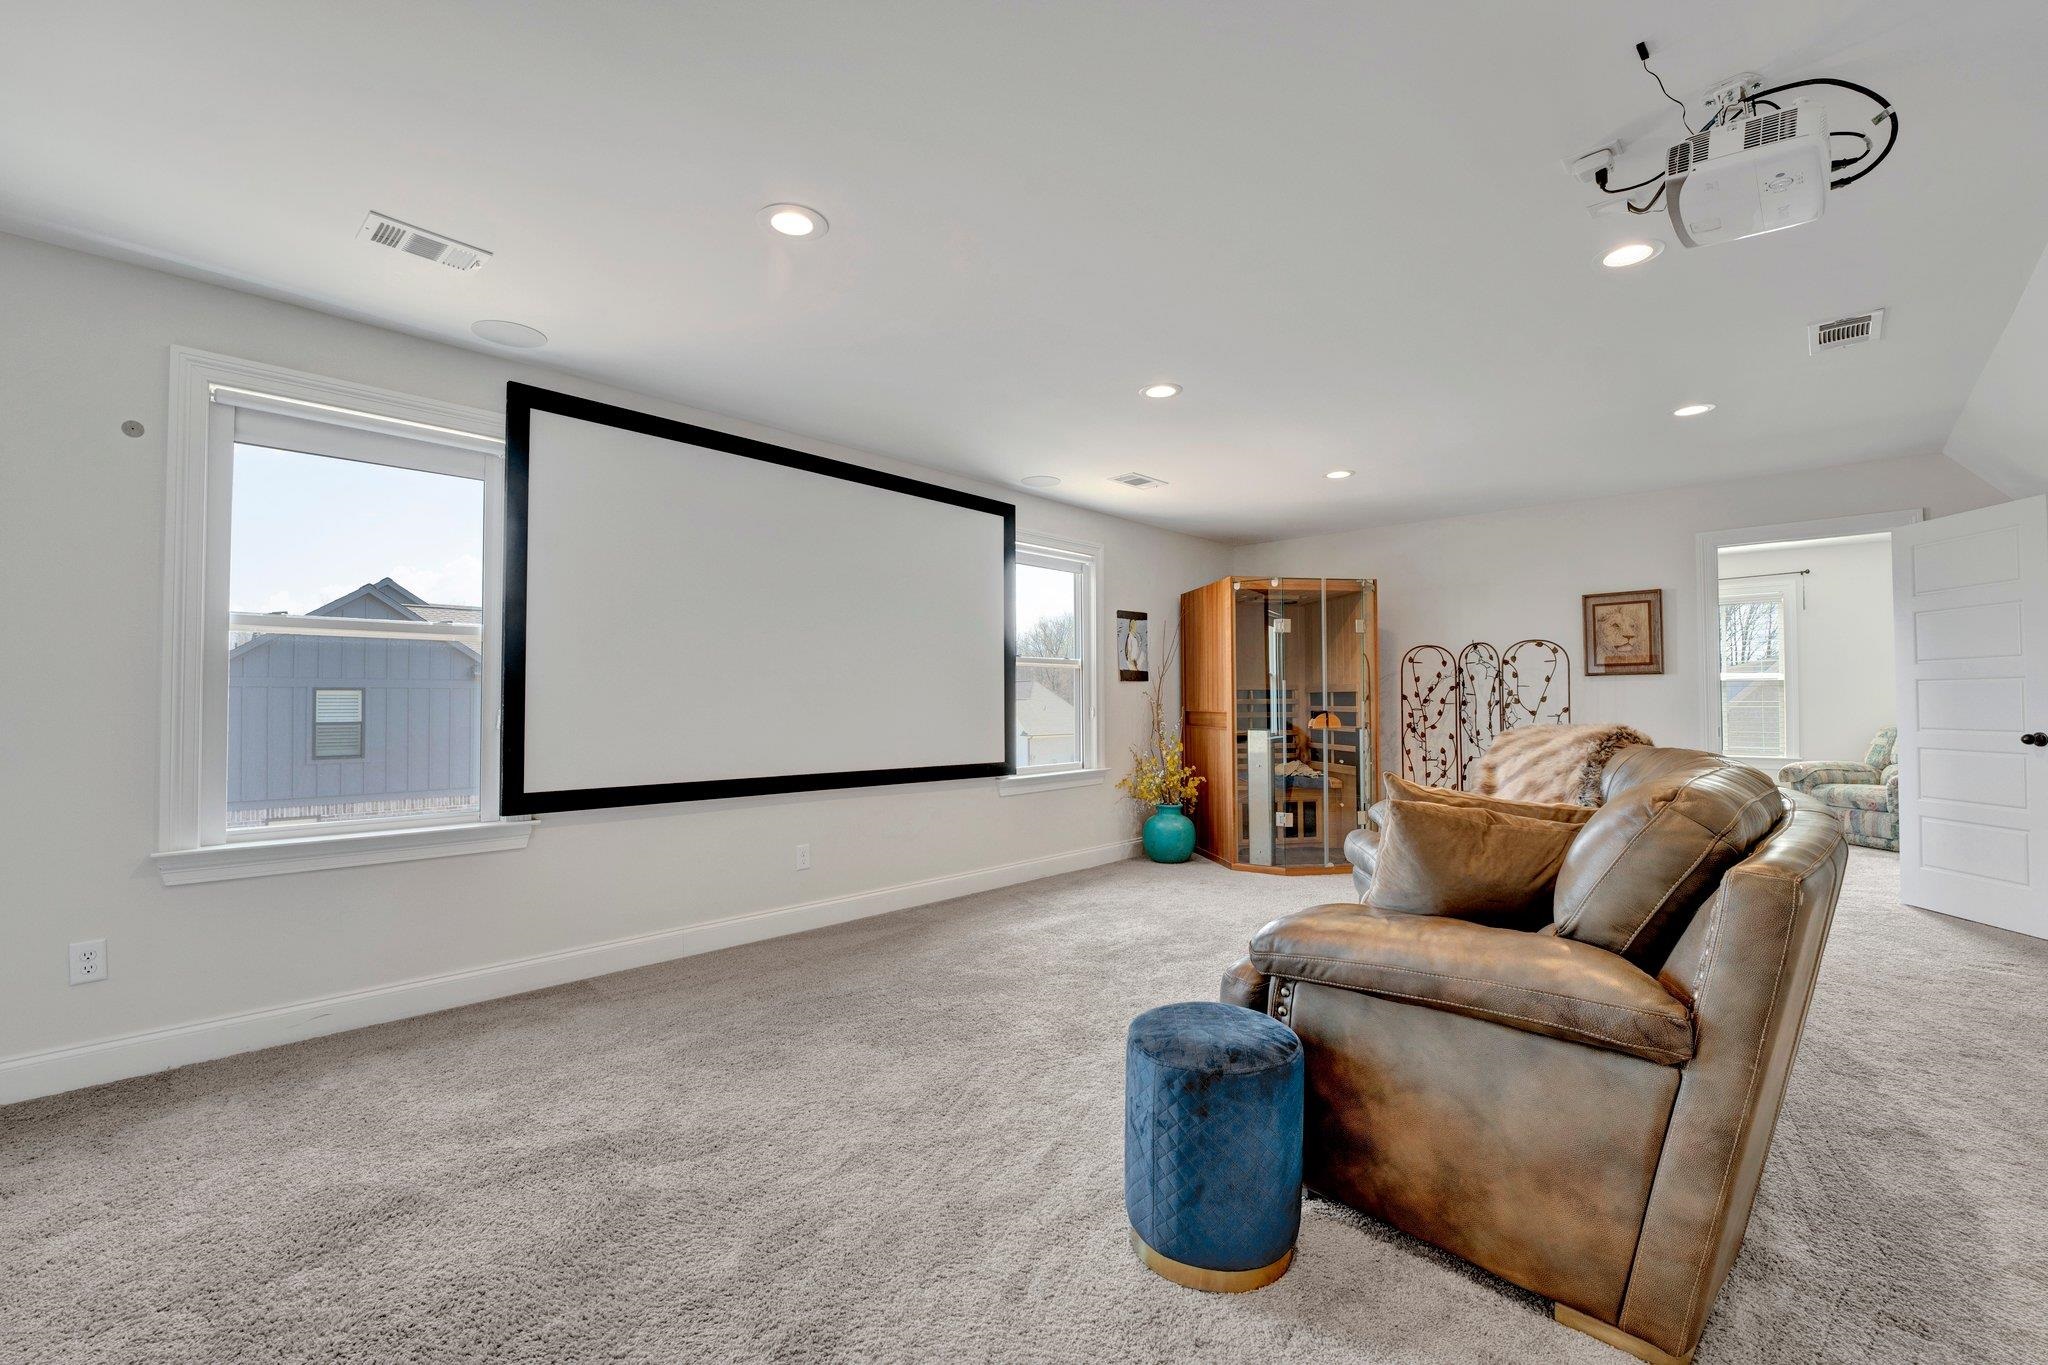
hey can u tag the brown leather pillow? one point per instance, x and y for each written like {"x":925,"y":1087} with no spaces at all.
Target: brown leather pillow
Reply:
{"x":1647,"y":858}
{"x":1467,"y":862}
{"x":1401,"y":789}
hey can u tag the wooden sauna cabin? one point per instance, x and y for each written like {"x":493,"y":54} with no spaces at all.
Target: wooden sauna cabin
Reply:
{"x":1279,"y":678}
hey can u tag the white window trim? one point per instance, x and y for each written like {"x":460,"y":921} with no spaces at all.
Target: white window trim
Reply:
{"x":313,"y":853}
{"x":1087,"y":769}
{"x":1049,"y":780}
{"x":1785,"y":589}
{"x":191,"y":790}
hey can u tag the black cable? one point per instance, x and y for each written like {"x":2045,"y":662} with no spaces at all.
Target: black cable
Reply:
{"x":1885,"y":111}
{"x":1649,"y":207}
{"x":1643,"y":56}
{"x":1600,"y":179}
{"x":1847,"y":162}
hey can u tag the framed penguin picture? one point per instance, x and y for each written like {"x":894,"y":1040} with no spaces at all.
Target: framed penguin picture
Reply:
{"x":1133,"y":647}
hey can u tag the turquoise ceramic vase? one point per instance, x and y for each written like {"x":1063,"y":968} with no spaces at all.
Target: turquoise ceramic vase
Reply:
{"x":1169,"y":835}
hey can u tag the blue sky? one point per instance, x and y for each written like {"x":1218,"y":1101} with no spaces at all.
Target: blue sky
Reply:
{"x":1042,"y":593}
{"x":308,"y":528}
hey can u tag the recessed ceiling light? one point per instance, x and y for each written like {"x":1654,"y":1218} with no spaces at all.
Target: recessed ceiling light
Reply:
{"x":1160,"y":390}
{"x":1631,"y":253}
{"x":1040,"y":481}
{"x":499,"y":332}
{"x":1692,"y":410}
{"x":1339,"y":474}
{"x":794,"y":220}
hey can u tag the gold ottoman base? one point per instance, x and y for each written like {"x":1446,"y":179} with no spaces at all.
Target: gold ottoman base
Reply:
{"x":1615,"y":1337}
{"x":1210,"y":1281}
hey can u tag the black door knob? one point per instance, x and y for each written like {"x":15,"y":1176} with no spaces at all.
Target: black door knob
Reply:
{"x":2038,"y":737}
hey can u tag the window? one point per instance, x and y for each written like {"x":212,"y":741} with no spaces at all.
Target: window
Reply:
{"x":1759,"y":700}
{"x":337,"y":722}
{"x":330,"y":667}
{"x":1055,"y":706}
{"x":355,"y":626}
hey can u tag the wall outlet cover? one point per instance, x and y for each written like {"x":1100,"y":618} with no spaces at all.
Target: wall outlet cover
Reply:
{"x":88,"y":961}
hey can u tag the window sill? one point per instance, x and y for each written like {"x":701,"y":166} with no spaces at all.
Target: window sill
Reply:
{"x":1026,"y":783}
{"x":314,"y":853}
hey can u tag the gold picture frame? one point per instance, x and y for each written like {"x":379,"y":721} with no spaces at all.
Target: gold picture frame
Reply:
{"x":1624,"y":632}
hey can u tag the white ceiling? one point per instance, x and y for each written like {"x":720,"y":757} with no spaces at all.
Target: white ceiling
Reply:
{"x":1342,"y":227}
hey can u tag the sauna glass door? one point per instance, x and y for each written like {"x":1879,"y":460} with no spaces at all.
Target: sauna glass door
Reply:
{"x":1339,"y":712}
{"x":1300,"y":699}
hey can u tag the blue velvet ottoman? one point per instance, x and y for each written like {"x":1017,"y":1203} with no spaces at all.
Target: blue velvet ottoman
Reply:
{"x":1212,"y":1144}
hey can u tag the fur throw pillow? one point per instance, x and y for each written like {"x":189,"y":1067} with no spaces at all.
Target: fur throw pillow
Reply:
{"x":1557,"y":764}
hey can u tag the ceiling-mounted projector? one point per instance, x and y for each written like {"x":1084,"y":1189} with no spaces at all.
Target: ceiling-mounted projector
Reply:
{"x":1749,"y":176}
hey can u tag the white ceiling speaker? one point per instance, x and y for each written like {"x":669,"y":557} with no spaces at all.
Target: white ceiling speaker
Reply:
{"x":1040,"y":481}
{"x":499,"y":332}
{"x":381,"y":230}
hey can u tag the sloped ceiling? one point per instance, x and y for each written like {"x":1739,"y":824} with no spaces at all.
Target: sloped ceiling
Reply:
{"x":2002,"y":436}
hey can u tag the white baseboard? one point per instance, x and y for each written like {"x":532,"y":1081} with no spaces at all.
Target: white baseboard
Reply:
{"x":139,"y":1054}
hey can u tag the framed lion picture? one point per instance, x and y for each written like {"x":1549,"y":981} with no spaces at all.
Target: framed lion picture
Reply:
{"x":1625,"y":632}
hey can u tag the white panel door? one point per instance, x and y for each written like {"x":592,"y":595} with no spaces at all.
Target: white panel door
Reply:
{"x":1970,"y":599}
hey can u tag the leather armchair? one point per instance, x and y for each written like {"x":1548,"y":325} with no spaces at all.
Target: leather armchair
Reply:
{"x":1589,"y":1127}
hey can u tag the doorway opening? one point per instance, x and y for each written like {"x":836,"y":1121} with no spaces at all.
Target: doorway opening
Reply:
{"x":1800,"y":666}
{"x":1803,"y":667}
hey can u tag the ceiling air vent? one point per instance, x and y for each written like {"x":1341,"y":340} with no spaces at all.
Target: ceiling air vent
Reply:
{"x":1137,"y":481}
{"x":1849,"y":331}
{"x":428,"y":246}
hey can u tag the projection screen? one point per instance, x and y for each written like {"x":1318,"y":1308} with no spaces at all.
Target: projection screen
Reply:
{"x":693,"y":614}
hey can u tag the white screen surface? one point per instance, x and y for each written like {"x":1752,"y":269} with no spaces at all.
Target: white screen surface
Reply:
{"x":693,"y":615}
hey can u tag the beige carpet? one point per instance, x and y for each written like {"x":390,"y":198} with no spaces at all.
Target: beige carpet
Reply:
{"x":900,"y":1140}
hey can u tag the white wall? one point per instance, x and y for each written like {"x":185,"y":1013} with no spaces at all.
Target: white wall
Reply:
{"x":1506,"y":576}
{"x":83,"y":348}
{"x":1842,"y":670}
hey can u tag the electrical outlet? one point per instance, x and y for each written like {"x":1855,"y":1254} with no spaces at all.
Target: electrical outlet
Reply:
{"x":88,"y":961}
{"x":803,"y":857}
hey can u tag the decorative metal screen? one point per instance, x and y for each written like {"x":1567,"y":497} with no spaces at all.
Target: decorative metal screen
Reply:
{"x":1453,"y":707}
{"x":1535,"y":684}
{"x":1429,"y":716}
{"x":1478,"y":705}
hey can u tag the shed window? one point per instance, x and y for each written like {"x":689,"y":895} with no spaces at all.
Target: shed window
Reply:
{"x":337,"y":722}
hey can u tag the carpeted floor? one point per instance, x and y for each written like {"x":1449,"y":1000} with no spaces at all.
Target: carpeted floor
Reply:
{"x":900,"y":1140}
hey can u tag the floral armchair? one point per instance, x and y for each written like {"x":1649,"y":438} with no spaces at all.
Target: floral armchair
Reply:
{"x":1864,"y":795}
